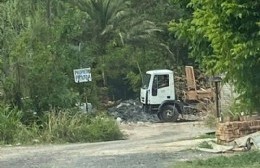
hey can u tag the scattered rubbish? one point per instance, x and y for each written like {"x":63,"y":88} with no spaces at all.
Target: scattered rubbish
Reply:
{"x":251,"y":141}
{"x":131,"y":111}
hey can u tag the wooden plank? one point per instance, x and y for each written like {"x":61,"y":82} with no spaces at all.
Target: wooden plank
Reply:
{"x":190,"y":77}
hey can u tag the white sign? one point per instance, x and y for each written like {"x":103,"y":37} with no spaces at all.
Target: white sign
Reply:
{"x":82,"y":75}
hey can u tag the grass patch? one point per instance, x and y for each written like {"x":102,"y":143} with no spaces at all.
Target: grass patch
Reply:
{"x":244,"y":160}
{"x":56,"y":127}
{"x":205,"y":144}
{"x":79,"y":127}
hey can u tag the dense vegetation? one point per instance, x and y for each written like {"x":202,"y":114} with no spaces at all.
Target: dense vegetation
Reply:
{"x":41,"y":42}
{"x":224,"y":37}
{"x":65,"y":126}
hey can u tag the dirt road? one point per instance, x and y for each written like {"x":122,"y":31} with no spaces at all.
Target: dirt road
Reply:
{"x":148,"y":145}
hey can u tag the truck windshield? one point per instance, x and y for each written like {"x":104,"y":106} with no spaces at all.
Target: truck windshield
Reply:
{"x":146,"y":80}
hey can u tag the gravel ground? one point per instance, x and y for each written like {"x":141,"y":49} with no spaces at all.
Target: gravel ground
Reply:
{"x":137,"y":160}
{"x":148,"y":145}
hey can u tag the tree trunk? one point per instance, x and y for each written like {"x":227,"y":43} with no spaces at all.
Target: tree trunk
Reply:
{"x":103,"y":71}
{"x":48,"y":11}
{"x":17,"y":90}
{"x":138,"y":65}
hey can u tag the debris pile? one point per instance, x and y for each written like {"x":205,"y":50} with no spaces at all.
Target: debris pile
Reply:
{"x":131,"y":111}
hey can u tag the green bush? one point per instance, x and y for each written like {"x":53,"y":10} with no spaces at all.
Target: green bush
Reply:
{"x":56,"y":127}
{"x":79,"y":127}
{"x":205,"y":144}
{"x":104,"y":128}
{"x":9,"y":124}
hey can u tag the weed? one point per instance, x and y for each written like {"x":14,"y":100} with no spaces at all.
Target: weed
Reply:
{"x":244,"y":160}
{"x":205,"y":144}
{"x":211,"y":120}
{"x":10,"y":124}
{"x":79,"y":127}
{"x":56,"y":127}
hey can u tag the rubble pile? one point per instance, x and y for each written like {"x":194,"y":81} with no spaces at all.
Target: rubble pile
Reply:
{"x":131,"y":111}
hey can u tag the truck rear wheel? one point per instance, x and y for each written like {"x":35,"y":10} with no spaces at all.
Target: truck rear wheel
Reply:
{"x":169,"y":113}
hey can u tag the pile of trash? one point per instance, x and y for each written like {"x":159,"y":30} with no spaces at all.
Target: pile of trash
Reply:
{"x":131,"y":111}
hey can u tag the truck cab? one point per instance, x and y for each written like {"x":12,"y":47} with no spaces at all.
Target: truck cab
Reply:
{"x":158,"y":94}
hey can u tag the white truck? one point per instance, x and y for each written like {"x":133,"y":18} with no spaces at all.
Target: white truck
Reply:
{"x":158,"y":93}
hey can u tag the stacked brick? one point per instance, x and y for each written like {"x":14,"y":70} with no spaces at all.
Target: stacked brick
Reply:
{"x":229,"y":131}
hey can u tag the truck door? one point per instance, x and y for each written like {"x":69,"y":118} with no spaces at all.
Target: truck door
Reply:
{"x":160,"y":89}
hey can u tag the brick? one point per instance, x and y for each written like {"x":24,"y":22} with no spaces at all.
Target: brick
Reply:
{"x":228,"y":131}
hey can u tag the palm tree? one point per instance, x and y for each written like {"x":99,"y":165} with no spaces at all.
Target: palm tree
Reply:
{"x":138,"y":36}
{"x":105,"y":18}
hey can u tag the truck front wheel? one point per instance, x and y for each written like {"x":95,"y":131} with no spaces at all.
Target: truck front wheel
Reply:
{"x":160,"y":116}
{"x":169,"y":113}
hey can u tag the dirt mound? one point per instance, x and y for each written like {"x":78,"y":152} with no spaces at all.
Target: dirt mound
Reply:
{"x":131,"y":111}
